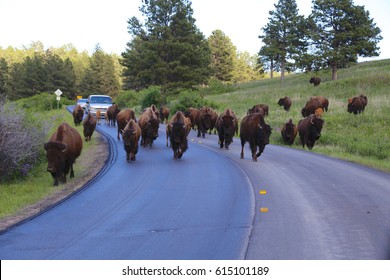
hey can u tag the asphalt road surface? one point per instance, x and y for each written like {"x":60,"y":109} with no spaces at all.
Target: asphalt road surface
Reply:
{"x":208,"y":206}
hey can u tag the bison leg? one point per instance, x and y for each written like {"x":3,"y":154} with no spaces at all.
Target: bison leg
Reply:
{"x":71,"y":172}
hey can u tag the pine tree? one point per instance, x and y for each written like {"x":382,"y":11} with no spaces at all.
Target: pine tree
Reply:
{"x":223,"y":54}
{"x":341,"y":32}
{"x":168,"y":50}
{"x":283,"y":36}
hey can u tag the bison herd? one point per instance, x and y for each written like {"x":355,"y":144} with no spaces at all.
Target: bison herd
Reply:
{"x":65,"y":145}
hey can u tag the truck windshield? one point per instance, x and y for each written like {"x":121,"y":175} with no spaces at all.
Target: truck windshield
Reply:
{"x":101,"y":99}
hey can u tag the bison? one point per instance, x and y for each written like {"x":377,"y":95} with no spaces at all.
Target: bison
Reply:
{"x":98,"y":116}
{"x":206,"y":120}
{"x":254,"y":130}
{"x":313,"y":104}
{"x":89,"y":125}
{"x":122,"y":118}
{"x":178,"y":129}
{"x":309,"y":130}
{"x":227,"y":126}
{"x":315,"y":81}
{"x":357,"y":104}
{"x":289,"y":132}
{"x":285,"y":102}
{"x":164,"y":114}
{"x":259,"y":108}
{"x":192,"y":114}
{"x":131,"y":134}
{"x":111,"y":113}
{"x":62,"y":149}
{"x":149,"y":123}
{"x":78,"y":114}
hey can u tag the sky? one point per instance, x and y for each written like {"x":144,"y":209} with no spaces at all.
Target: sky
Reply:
{"x":86,"y":23}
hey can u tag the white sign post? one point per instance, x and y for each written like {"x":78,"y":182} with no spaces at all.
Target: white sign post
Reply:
{"x":58,"y":93}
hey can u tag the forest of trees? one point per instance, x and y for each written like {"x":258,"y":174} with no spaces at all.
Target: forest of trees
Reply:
{"x":167,"y":49}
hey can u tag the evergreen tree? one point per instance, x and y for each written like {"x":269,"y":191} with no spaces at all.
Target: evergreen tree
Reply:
{"x":341,"y":32}
{"x":4,"y":78}
{"x":283,"y":36}
{"x":101,"y":76}
{"x":223,"y":54}
{"x":168,"y":50}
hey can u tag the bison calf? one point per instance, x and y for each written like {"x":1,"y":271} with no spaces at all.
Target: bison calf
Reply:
{"x":89,"y":125}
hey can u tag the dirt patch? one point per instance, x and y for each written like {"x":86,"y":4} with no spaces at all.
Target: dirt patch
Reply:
{"x":87,"y":166}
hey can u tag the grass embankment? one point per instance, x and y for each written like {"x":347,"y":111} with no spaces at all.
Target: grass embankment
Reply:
{"x":364,"y":138}
{"x":38,"y":184}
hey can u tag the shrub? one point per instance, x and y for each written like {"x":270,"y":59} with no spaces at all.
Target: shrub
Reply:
{"x":20,"y":141}
{"x":152,"y":95}
{"x":128,"y":99}
{"x":189,"y":99}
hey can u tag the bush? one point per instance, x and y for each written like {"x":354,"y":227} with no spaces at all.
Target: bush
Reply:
{"x":21,"y":142}
{"x":152,"y":95}
{"x":128,"y":99}
{"x":189,"y":99}
{"x":42,"y":102}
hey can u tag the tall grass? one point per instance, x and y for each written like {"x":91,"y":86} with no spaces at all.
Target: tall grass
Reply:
{"x":361,"y":138}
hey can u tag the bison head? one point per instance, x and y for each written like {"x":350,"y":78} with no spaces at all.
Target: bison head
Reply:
{"x":316,"y":127}
{"x":55,"y":154}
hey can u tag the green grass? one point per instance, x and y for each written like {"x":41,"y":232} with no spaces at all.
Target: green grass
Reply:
{"x":362,"y":138}
{"x":38,"y":184}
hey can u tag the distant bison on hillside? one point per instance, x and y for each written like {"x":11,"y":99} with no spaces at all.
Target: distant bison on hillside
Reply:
{"x":285,"y":102}
{"x":357,"y":104}
{"x":315,"y":81}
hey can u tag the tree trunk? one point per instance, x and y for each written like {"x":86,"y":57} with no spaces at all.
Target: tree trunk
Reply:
{"x":272,"y":68}
{"x":282,"y":69}
{"x":334,"y":71}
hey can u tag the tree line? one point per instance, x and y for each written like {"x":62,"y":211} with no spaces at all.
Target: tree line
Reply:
{"x":168,"y":50}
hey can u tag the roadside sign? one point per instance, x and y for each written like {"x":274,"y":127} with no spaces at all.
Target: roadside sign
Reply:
{"x":79,"y":97}
{"x":58,"y":92}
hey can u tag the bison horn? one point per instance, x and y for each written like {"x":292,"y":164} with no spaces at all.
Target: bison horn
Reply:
{"x":260,"y":126}
{"x":311,"y":120}
{"x":123,"y":131}
{"x":65,"y":148}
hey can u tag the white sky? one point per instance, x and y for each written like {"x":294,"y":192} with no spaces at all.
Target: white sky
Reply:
{"x":84,"y":23}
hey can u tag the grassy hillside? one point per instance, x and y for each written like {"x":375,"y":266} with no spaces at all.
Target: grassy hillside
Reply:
{"x":359,"y":138}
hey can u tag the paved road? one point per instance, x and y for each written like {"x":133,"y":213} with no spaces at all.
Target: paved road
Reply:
{"x":206,"y":206}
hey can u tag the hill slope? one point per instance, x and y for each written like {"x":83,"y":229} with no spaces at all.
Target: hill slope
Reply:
{"x":360,"y":138}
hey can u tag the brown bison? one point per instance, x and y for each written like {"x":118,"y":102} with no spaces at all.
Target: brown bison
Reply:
{"x":357,"y":104}
{"x":254,"y":130}
{"x":285,"y":102}
{"x":227,"y":126}
{"x":313,"y":104}
{"x":78,"y":114}
{"x":122,"y":118}
{"x":310,"y":130}
{"x":89,"y":125}
{"x":98,"y":116}
{"x":178,"y":129}
{"x":149,"y":123}
{"x":289,"y":132}
{"x":164,"y":114}
{"x":259,"y":108}
{"x":131,"y":134}
{"x":206,"y":120}
{"x":62,"y":149}
{"x":315,"y":81}
{"x":192,"y":114}
{"x":111,"y":113}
